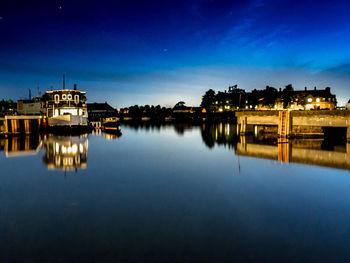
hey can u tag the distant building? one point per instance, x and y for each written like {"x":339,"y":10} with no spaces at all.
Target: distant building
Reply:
{"x":97,"y":111}
{"x":7,"y":107}
{"x":270,"y":98}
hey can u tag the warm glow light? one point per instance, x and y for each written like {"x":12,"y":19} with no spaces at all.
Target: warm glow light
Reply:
{"x":57,"y":147}
{"x":81,"y":148}
{"x":220,"y":109}
{"x":74,"y":148}
{"x":318,"y":100}
{"x":69,"y":111}
{"x":309,"y":99}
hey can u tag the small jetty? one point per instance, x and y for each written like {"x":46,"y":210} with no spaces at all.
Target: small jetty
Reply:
{"x":21,"y":124}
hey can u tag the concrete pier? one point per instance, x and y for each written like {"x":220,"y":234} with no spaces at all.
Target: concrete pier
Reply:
{"x":294,"y":123}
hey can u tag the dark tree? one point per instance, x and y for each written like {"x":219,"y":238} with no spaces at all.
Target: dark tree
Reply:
{"x":287,"y":95}
{"x":208,"y":100}
{"x":180,"y":104}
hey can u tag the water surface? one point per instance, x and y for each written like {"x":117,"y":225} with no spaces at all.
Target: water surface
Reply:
{"x":173,"y":194}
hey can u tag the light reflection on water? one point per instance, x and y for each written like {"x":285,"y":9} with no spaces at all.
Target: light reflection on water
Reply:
{"x":173,"y":193}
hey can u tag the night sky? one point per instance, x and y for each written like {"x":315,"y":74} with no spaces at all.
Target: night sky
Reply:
{"x":159,"y":52}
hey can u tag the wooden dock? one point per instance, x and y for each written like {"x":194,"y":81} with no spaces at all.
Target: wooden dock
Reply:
{"x":20,"y":124}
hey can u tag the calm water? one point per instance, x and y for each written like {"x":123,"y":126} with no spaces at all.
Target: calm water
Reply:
{"x":173,"y":194}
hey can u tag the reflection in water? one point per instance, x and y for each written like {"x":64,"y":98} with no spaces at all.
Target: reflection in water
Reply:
{"x":322,"y":152}
{"x":179,"y":127}
{"x":107,"y":135}
{"x":162,"y":197}
{"x":66,"y":152}
{"x":219,"y":133}
{"x":20,"y":146}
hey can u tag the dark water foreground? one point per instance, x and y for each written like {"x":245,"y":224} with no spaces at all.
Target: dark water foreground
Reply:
{"x":173,"y":194}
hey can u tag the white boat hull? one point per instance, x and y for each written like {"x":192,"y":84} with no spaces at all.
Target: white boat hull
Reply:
{"x":68,"y":120}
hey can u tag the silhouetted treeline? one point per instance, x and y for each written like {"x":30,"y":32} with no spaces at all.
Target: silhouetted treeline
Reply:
{"x":153,"y":112}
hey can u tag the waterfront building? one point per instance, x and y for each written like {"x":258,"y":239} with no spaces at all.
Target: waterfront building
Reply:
{"x":34,"y":106}
{"x":272,"y":99}
{"x":98,"y":111}
{"x":7,"y":107}
{"x":66,"y":107}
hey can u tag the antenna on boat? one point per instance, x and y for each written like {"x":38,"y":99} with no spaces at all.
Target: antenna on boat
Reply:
{"x":64,"y":81}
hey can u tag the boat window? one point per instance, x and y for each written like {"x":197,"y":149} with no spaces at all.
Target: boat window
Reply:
{"x":57,"y":98}
{"x":76,"y":99}
{"x":64,"y":97}
{"x":69,"y":96}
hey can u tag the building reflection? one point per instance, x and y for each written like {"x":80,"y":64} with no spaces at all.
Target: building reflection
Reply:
{"x":320,"y":152}
{"x":66,"y":152}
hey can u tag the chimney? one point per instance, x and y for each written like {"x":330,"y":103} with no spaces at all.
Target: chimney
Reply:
{"x":315,"y":88}
{"x":280,"y":89}
{"x":305,"y":88}
{"x":75,"y":86}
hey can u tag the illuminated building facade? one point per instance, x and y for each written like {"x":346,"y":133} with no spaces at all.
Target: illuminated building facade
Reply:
{"x":66,"y":107}
{"x":272,"y":99}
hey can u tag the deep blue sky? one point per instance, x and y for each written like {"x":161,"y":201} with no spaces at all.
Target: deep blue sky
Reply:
{"x":159,"y":52}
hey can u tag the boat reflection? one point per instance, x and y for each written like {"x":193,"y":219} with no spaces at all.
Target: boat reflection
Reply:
{"x":66,"y":152}
{"x":321,"y":152}
{"x":110,"y":136}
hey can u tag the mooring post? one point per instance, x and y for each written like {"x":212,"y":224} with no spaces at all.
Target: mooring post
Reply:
{"x":243,"y":126}
{"x":6,"y":126}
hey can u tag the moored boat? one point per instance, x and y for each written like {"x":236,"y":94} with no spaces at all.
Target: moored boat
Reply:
{"x":66,"y":110}
{"x":111,"y":124}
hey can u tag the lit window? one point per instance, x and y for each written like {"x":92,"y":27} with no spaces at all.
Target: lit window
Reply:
{"x":220,"y":109}
{"x":216,"y":102}
{"x":76,"y":99}
{"x":309,"y":100}
{"x":318,"y":100}
{"x":57,"y":98}
{"x":275,"y":106}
